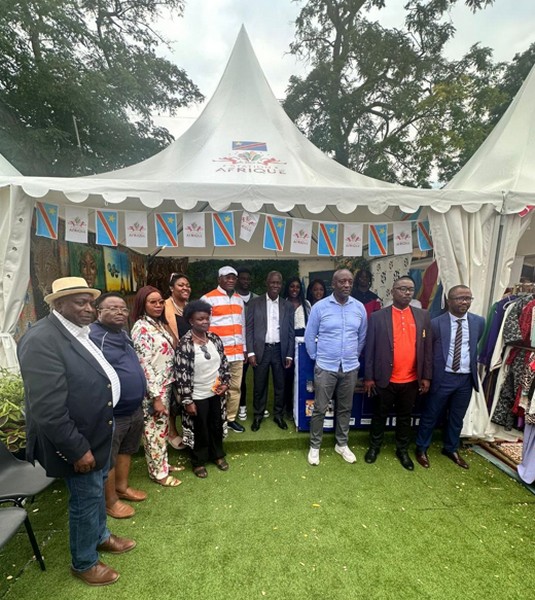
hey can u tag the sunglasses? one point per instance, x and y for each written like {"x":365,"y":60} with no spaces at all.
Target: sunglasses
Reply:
{"x":205,"y":352}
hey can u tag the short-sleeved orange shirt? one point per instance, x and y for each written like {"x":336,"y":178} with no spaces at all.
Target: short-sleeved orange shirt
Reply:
{"x":404,"y":363}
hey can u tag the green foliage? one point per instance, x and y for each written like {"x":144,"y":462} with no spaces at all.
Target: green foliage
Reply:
{"x":203,"y":274}
{"x":12,"y":421}
{"x":84,"y":68}
{"x":386,"y":102}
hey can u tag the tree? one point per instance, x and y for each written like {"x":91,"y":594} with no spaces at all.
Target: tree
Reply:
{"x":386,"y":102}
{"x":79,"y":80}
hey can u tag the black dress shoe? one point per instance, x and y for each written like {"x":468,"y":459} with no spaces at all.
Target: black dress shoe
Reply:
{"x":256,"y":424}
{"x":422,"y":459}
{"x":454,"y":456}
{"x":405,"y":460}
{"x":280,"y":422}
{"x":371,"y":455}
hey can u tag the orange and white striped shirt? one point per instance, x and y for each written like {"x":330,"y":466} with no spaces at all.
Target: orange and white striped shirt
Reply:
{"x":228,"y":321}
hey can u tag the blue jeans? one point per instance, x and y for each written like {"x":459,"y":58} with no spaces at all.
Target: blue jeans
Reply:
{"x":87,"y":517}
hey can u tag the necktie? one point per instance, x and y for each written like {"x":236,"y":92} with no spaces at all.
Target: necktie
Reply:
{"x":456,"y":364}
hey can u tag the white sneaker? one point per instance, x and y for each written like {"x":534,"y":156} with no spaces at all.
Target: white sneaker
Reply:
{"x":266,"y":414}
{"x":345,"y":453}
{"x":314,"y":456}
{"x":242,"y":414}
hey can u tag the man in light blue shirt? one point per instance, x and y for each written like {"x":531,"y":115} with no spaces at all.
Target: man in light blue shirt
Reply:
{"x":334,"y":338}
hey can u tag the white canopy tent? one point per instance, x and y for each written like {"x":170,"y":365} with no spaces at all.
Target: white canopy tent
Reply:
{"x":478,"y":248}
{"x":206,"y":170}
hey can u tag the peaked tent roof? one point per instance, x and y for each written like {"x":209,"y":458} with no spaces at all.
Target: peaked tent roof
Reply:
{"x":6,"y":168}
{"x":204,"y":164}
{"x":505,"y":160}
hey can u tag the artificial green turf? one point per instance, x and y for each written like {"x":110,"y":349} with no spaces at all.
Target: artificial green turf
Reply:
{"x":274,"y":527}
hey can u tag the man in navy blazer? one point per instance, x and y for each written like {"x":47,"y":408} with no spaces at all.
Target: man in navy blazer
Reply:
{"x":454,"y":375}
{"x":270,"y":345}
{"x":70,"y":391}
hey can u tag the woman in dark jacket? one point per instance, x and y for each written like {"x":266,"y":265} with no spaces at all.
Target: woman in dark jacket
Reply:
{"x":202,"y":378}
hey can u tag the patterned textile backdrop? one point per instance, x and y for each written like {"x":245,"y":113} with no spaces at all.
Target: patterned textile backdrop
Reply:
{"x":385,"y":271}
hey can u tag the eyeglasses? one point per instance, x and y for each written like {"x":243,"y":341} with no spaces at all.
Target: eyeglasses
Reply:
{"x":403,"y":289}
{"x":115,"y":310}
{"x":205,"y":352}
{"x":462,"y":298}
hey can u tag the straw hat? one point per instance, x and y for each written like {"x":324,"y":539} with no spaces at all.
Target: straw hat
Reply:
{"x":67,"y":286}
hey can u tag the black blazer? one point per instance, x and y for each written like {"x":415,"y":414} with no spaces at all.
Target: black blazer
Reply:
{"x":256,"y":327}
{"x":379,"y":350}
{"x":68,"y":399}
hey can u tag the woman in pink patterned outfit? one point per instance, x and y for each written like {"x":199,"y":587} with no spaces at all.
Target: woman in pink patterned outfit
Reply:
{"x":154,"y":346}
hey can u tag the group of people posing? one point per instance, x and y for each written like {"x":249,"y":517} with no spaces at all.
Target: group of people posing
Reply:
{"x":93,"y":391}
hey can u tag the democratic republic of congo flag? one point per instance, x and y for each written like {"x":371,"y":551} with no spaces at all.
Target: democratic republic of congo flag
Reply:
{"x":258,"y":146}
{"x":107,"y":227}
{"x":166,"y":230}
{"x":274,"y":230}
{"x":425,"y":242}
{"x":378,"y":240}
{"x":327,"y":239}
{"x":46,"y":220}
{"x":223,"y":228}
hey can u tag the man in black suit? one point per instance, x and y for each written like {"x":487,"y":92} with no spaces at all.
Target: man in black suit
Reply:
{"x":70,"y":391}
{"x":398,"y":366}
{"x":271,"y":345}
{"x":454,"y":375}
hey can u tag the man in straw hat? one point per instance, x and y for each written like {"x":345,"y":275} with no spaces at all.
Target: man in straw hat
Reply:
{"x":70,"y":391}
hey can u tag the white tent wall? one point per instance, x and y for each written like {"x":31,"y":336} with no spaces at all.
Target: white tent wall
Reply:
{"x":15,"y":238}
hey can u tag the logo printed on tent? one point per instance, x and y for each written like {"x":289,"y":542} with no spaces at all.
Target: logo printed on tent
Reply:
{"x":258,"y":146}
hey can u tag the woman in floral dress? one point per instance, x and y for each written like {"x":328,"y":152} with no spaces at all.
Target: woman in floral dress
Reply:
{"x":154,"y":346}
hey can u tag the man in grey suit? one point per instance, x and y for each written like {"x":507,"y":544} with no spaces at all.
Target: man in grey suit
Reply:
{"x":454,"y":375}
{"x":271,"y":345}
{"x":398,"y":367}
{"x":70,"y":391}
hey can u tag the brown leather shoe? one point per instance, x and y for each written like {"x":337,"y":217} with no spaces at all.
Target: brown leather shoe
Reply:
{"x":116,"y":545}
{"x":100,"y":574}
{"x":423,"y":459}
{"x":132,"y":495}
{"x":120,"y":510}
{"x":454,"y":456}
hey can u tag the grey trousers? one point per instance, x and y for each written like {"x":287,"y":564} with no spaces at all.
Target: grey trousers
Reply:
{"x":340,"y":387}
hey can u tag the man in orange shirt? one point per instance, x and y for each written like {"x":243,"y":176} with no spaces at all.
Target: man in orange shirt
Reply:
{"x":398,"y":367}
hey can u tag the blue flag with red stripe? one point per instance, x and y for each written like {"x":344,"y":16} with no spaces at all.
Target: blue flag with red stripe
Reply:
{"x":327,"y":239}
{"x":274,"y":230}
{"x":425,"y":242}
{"x":378,"y":240}
{"x":166,"y":230}
{"x":107,"y":227}
{"x":223,"y":228}
{"x":46,"y":220}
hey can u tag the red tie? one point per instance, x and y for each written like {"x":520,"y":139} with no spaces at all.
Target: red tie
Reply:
{"x":456,"y":364}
